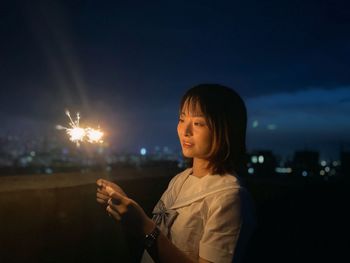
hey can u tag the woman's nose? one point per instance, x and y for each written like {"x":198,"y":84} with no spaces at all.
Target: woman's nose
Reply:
{"x":188,"y":129}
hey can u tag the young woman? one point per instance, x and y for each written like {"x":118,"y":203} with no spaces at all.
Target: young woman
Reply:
{"x":201,"y":217}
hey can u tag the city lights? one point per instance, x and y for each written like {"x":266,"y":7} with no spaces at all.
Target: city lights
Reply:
{"x":251,"y":170}
{"x":143,"y":151}
{"x":283,"y":170}
{"x":254,"y":159}
{"x":261,"y":159}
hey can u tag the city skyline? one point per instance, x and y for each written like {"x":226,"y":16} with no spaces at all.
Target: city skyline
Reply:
{"x":13,"y":148}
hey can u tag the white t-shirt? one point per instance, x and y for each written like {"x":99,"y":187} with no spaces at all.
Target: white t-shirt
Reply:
{"x":208,"y":218}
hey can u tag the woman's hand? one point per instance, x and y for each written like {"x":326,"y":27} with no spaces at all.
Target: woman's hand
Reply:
{"x":123,"y":208}
{"x":102,"y":196}
{"x":136,"y":221}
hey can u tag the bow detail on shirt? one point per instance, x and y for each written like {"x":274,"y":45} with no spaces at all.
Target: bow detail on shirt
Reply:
{"x":163,"y":217}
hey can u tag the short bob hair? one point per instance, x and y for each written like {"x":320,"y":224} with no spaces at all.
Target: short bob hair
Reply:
{"x":226,"y":115}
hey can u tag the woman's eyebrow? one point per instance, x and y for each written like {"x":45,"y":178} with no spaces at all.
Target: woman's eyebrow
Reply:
{"x":193,"y":115}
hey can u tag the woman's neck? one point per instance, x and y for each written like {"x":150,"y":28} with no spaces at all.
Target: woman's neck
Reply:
{"x":200,"y":167}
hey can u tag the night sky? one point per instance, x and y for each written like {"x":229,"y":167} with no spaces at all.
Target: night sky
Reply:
{"x":126,"y":64}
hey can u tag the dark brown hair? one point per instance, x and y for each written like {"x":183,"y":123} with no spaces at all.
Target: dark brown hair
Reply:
{"x":226,"y":115}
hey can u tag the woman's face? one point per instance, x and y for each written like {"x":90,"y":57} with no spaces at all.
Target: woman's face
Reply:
{"x":194,"y":134}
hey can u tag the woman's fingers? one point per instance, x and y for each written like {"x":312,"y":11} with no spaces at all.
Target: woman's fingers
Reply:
{"x":114,"y":197}
{"x":113,"y":213}
{"x":110,"y":190}
{"x":119,"y":203}
{"x":102,"y":184}
{"x":120,"y":209}
{"x":102,"y":195}
{"x":127,"y":211}
{"x":101,"y":201}
{"x":102,"y":198}
{"x":102,"y":191}
{"x":99,"y":182}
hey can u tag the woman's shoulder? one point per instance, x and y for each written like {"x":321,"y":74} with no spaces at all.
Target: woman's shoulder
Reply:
{"x":226,"y":180}
{"x":229,"y":185}
{"x":180,"y":175}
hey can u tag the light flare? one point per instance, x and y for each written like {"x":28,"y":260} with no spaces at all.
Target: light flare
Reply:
{"x":79,"y":134}
{"x":94,"y":136}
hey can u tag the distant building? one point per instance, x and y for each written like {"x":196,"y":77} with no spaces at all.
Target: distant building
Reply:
{"x":261,"y":163}
{"x":306,"y":163}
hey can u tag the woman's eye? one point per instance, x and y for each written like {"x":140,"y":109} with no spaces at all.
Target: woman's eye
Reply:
{"x":200,"y":124}
{"x":181,"y":120}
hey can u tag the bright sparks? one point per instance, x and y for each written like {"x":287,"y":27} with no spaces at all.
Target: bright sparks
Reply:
{"x":94,"y":135}
{"x":78,"y":134}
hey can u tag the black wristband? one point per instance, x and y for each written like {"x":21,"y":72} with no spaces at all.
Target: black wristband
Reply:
{"x":151,"y":238}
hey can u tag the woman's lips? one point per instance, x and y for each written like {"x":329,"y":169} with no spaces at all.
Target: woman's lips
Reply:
{"x":187,"y":144}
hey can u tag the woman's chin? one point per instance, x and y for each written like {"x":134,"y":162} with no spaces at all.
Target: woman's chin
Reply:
{"x":187,"y":154}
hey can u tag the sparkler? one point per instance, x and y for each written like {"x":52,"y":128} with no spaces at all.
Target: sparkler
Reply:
{"x":78,"y":134}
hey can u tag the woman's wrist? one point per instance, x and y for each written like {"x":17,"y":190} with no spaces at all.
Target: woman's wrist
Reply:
{"x":148,"y":226}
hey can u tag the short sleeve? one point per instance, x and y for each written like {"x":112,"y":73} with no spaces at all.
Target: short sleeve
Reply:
{"x":221,"y":229}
